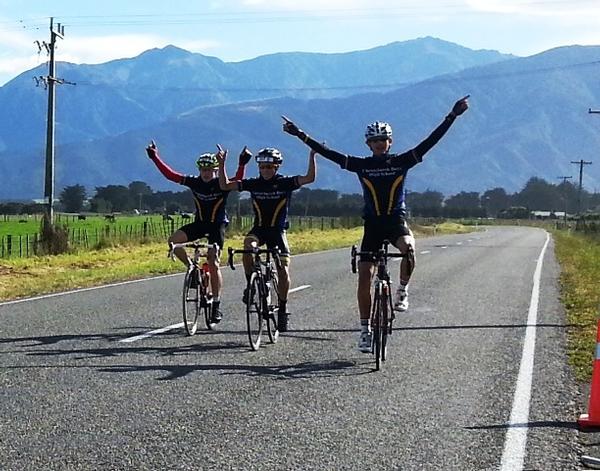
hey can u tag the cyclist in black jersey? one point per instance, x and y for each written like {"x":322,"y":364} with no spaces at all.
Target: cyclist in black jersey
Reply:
{"x":271,"y":194}
{"x":382,"y":177}
{"x":211,"y":218}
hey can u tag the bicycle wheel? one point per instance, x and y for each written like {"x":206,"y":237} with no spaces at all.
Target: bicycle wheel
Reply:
{"x":254,"y":310}
{"x":191,"y":301}
{"x":273,"y":309}
{"x":205,"y":301}
{"x":385,"y":301}
{"x":376,"y":326}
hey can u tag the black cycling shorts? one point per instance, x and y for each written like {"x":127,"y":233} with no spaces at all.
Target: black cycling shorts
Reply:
{"x":377,"y":230}
{"x":214,"y":232}
{"x":271,"y":237}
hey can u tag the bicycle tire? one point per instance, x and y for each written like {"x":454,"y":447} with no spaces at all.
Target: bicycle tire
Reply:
{"x":254,"y":310}
{"x":206,"y":302}
{"x":273,"y":309}
{"x":376,"y":327}
{"x":385,"y":301}
{"x":191,"y":302}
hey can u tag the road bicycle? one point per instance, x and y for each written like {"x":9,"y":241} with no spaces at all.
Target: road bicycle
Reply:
{"x":197,"y":297}
{"x":382,"y":312}
{"x":261,"y":294}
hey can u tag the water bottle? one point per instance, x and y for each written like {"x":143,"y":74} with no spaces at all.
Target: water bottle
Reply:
{"x":205,"y":275}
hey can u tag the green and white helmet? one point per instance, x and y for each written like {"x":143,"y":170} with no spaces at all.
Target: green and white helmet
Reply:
{"x":207,"y":160}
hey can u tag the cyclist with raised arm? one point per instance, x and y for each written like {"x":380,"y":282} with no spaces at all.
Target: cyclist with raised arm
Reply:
{"x":271,"y":193}
{"x":210,"y":219}
{"x":382,"y":177}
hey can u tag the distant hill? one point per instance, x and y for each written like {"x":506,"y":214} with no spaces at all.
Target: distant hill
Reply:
{"x":121,"y":95}
{"x":528,"y":117}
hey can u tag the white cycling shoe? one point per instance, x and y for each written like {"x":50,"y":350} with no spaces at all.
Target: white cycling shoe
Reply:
{"x":401,"y":303}
{"x":364,"y":342}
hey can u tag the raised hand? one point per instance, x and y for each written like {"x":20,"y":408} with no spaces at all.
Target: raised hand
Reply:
{"x":152,"y":150}
{"x":461,"y":106}
{"x":221,"y":155}
{"x":290,"y":127}
{"x":245,"y":156}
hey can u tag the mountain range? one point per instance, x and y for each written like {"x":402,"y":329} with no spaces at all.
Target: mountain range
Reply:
{"x":527,"y":117}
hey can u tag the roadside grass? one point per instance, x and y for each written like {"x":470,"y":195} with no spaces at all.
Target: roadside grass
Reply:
{"x":25,"y":277}
{"x":579,"y":258}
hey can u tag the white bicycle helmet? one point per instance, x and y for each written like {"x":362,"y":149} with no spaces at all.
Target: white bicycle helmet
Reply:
{"x":269,"y":155}
{"x":377,"y":130}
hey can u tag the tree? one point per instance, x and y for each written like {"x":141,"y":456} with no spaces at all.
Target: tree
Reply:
{"x":464,"y":204}
{"x":72,"y":198}
{"x":495,"y":200}
{"x":539,"y":195}
{"x":138,"y":190}
{"x":117,"y":197}
{"x":426,"y":204}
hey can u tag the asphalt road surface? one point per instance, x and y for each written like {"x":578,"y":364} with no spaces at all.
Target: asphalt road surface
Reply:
{"x":79,"y":390}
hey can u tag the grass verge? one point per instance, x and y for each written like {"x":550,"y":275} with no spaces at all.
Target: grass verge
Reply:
{"x":579,"y":258}
{"x":25,"y":277}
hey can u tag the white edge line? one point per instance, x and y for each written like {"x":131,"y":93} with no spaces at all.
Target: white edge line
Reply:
{"x":513,"y":455}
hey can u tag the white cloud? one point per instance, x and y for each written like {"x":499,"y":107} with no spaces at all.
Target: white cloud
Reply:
{"x":577,"y":8}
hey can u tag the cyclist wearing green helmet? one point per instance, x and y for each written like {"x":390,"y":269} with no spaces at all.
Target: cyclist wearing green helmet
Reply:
{"x":211,"y":218}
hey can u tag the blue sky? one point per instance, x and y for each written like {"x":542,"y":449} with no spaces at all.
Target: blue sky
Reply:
{"x":234,"y":30}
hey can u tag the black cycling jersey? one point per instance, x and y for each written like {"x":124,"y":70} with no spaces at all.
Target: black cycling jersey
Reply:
{"x":270,"y":199}
{"x":209,"y":199}
{"x":382,"y":177}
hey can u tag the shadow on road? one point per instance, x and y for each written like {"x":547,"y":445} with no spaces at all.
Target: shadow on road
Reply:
{"x":298,"y":371}
{"x":538,"y":424}
{"x":490,"y":326}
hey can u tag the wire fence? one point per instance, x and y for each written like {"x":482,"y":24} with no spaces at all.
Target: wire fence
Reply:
{"x":26,"y":245}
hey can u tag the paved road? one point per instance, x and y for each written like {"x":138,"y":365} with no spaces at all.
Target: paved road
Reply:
{"x":73,"y":395}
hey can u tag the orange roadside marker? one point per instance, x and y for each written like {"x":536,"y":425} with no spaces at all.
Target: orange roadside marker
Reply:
{"x":592,"y":418}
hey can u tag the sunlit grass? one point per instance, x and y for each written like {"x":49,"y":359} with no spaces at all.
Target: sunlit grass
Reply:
{"x":579,"y":257}
{"x":24,"y":277}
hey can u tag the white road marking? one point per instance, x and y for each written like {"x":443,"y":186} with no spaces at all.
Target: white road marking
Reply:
{"x":152,"y":332}
{"x":459,"y":243}
{"x":425,"y":251}
{"x":516,"y":436}
{"x":444,"y":247}
{"x":162,"y":330}
{"x":299,"y":288}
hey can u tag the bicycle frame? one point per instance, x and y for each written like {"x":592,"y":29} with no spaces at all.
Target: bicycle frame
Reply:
{"x":382,"y":305}
{"x":263,"y":280}
{"x":196,"y":286}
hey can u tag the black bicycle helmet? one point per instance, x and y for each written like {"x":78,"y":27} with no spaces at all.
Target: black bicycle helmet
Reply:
{"x":269,"y":155}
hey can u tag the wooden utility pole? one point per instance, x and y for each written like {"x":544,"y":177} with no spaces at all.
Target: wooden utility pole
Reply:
{"x":564,"y":182}
{"x":50,"y":81}
{"x":581,"y":163}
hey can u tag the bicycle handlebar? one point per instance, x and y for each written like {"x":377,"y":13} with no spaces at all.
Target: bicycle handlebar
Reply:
{"x":379,"y":255}
{"x":254,"y":251}
{"x":194,"y":245}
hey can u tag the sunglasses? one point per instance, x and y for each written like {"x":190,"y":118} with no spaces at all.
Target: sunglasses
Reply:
{"x":266,"y":166}
{"x":378,"y":139}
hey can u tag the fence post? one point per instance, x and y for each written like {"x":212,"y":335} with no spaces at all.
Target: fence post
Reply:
{"x":9,"y":244}
{"x":145,"y":226}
